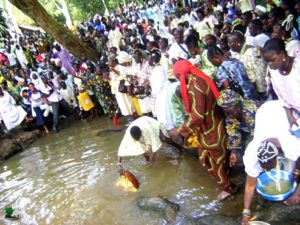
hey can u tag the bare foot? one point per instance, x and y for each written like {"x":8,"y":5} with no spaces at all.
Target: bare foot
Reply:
{"x":223,"y":195}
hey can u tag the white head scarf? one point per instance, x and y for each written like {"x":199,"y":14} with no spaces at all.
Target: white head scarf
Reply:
{"x":124,"y":57}
{"x":37,"y":82}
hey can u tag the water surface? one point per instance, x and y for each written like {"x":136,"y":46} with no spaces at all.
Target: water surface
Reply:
{"x":69,"y":178}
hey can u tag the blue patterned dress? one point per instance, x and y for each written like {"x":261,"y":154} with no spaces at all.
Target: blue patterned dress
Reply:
{"x":234,"y":72}
{"x":240,"y":132}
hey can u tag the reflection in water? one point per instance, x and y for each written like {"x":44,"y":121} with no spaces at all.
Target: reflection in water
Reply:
{"x":69,"y":178}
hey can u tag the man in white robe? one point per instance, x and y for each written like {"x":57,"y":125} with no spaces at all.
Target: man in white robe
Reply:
{"x":142,"y":137}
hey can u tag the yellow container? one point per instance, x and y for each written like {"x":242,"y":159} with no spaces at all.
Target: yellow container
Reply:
{"x":137,"y":106}
{"x":85,"y":101}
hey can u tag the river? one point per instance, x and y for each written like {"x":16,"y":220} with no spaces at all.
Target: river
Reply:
{"x":69,"y":178}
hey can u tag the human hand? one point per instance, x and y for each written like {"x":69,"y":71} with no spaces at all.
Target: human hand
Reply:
{"x":174,"y":132}
{"x":120,"y":168}
{"x":150,"y":161}
{"x":232,"y":159}
{"x":293,"y":121}
{"x":296,"y":174}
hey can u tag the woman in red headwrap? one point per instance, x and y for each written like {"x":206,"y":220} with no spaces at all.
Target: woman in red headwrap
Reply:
{"x":199,"y":94}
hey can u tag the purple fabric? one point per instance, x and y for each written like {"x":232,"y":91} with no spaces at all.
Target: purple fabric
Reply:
{"x":66,"y":60}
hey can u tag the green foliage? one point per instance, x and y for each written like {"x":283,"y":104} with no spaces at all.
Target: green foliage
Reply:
{"x":3,"y":25}
{"x":80,"y":10}
{"x":21,"y":18}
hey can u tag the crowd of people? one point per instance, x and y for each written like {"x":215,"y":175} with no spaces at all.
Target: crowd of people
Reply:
{"x":221,"y":77}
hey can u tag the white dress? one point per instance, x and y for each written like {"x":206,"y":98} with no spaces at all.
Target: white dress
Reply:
{"x":11,"y":114}
{"x":270,"y":122}
{"x":124,"y":100}
{"x":142,"y":71}
{"x":21,"y":57}
{"x":114,"y":38}
{"x":159,"y":83}
{"x":176,"y":52}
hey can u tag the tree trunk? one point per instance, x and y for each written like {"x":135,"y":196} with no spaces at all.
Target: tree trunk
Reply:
{"x":63,"y":35}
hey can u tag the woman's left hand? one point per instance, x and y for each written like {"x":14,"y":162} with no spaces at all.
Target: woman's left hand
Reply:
{"x":232,"y":159}
{"x":174,"y":132}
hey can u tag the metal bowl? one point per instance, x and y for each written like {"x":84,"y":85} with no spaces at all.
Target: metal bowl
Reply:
{"x":258,"y":223}
{"x":276,"y":178}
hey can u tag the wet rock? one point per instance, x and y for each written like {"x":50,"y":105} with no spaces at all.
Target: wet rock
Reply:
{"x":272,"y":213}
{"x":217,"y":219}
{"x":169,"y":210}
{"x":110,"y":130}
{"x":13,"y":143}
{"x":278,"y":214}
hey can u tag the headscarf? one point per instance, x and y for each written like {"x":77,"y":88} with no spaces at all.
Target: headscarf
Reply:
{"x":288,"y":22}
{"x":37,"y":82}
{"x":124,"y":57}
{"x":228,"y":98}
{"x":181,"y":69}
{"x":266,"y":152}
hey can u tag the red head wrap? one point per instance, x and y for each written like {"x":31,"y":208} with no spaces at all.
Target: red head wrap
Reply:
{"x":181,"y":69}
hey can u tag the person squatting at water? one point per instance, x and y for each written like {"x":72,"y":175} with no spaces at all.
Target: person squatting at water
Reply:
{"x":144,"y":137}
{"x":271,"y":134}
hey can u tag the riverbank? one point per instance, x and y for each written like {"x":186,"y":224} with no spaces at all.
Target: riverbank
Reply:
{"x":15,"y":142}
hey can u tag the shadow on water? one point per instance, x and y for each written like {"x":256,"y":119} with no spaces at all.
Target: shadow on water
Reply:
{"x":69,"y":178}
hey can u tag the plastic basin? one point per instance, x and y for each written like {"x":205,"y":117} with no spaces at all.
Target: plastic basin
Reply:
{"x":276,"y":185}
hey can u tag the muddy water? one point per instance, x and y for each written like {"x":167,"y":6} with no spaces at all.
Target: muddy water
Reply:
{"x":69,"y":178}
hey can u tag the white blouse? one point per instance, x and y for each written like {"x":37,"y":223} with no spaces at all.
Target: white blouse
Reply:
{"x":287,"y":87}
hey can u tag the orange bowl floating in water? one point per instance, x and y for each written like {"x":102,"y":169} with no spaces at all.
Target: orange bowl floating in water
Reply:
{"x":128,"y":181}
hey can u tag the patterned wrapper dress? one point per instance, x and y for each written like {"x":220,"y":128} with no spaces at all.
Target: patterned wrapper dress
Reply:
{"x":207,"y":120}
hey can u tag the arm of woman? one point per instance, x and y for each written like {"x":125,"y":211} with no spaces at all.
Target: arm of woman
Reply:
{"x":114,"y":70}
{"x":248,"y":197}
{"x":44,"y":99}
{"x":120,"y":167}
{"x":291,"y":117}
{"x":226,"y":84}
{"x":149,"y":156}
